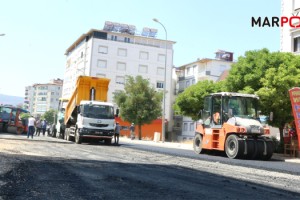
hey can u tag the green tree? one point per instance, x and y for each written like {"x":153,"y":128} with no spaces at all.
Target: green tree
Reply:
{"x":274,"y":94}
{"x":246,"y":73}
{"x":269,"y":75}
{"x":49,"y":116}
{"x":190,"y":101}
{"x":25,"y":115}
{"x":139,"y":103}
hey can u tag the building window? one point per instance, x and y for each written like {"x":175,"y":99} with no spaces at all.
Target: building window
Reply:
{"x":42,"y":93}
{"x":143,"y":69}
{"x":187,"y":83}
{"x":122,"y":52}
{"x":185,"y":126}
{"x":189,"y":71}
{"x":160,"y":71}
{"x":144,"y":55}
{"x":161,"y":58}
{"x":113,"y":37}
{"x":100,"y":75}
{"x":126,"y":39}
{"x":43,"y":88}
{"x":102,"y":63}
{"x":120,"y":80}
{"x":159,"y":84}
{"x":192,"y":127}
{"x":296,"y":44}
{"x":103,"y":49}
{"x":42,"y":99}
{"x":121,"y":66}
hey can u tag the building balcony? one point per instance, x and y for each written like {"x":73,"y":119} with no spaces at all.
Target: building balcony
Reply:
{"x":181,"y":78}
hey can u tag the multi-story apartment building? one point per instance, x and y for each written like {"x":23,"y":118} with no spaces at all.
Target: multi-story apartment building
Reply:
{"x":119,"y":50}
{"x":189,"y":74}
{"x":289,"y":36}
{"x":40,"y":98}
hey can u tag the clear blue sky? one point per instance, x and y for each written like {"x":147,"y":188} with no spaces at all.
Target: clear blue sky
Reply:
{"x":39,"y":31}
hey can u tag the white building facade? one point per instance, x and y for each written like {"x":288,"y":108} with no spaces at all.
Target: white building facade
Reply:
{"x":116,"y":54}
{"x":191,"y":73}
{"x":290,"y":37}
{"x":40,"y":98}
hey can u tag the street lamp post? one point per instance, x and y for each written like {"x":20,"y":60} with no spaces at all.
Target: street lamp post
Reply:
{"x":165,"y":83}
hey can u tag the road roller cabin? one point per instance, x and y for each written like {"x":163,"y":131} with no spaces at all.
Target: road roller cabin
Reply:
{"x":230,"y":123}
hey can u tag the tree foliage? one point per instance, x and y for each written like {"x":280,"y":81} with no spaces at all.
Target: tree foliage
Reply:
{"x":190,"y":101}
{"x":246,"y":73}
{"x":50,"y":116}
{"x":274,"y":94}
{"x":269,"y":75}
{"x":139,"y":102}
{"x":24,"y":115}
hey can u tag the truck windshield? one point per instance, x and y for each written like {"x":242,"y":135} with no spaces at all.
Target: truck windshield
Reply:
{"x":245,"y":107}
{"x":5,"y":113}
{"x":98,"y":111}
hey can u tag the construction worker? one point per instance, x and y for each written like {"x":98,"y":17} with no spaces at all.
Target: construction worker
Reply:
{"x":117,"y":133}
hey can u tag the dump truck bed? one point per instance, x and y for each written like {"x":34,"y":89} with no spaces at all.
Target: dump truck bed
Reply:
{"x":87,"y":88}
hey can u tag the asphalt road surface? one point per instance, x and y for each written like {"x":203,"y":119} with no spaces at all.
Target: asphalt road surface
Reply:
{"x":50,"y":168}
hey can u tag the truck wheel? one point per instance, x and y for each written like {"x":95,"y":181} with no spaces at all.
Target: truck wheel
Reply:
{"x":78,"y":139}
{"x":197,"y":144}
{"x":4,"y":128}
{"x":234,"y":147}
{"x":270,"y":150}
{"x":251,"y":146}
{"x":68,"y":137}
{"x":260,"y":149}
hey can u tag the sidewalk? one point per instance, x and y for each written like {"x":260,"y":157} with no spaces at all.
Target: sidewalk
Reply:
{"x":189,"y":146}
